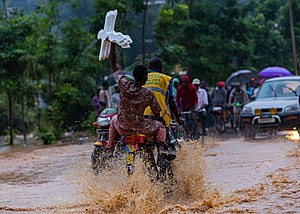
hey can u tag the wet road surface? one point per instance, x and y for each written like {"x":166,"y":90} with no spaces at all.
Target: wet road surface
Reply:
{"x":256,"y":177}
{"x":40,"y":178}
{"x":235,"y":163}
{"x":228,"y":175}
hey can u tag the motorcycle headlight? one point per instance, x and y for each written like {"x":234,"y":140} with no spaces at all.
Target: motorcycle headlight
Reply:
{"x":291,"y":109}
{"x":103,"y":121}
{"x":247,"y":110}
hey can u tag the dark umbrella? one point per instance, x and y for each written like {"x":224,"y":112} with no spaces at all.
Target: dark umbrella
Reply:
{"x":242,"y":76}
{"x":271,"y":72}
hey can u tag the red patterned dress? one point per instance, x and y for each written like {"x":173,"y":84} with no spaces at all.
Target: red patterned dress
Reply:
{"x":130,"y":120}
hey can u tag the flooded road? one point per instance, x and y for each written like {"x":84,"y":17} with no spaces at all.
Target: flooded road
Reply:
{"x":236,"y":164}
{"x":39,"y":178}
{"x":228,"y":175}
{"x":261,"y":176}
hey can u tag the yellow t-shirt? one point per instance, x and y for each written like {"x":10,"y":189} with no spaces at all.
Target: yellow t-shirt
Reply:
{"x":158,"y":83}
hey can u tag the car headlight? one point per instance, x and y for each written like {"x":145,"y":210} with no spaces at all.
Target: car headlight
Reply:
{"x":247,"y":110}
{"x":103,"y":121}
{"x":290,"y":109}
{"x":257,"y":112}
{"x":273,"y":111}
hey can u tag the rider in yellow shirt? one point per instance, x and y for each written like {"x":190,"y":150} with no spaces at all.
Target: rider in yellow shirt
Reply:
{"x":161,"y":85}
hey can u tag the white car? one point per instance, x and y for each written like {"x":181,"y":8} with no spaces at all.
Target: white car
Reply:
{"x":276,"y":107}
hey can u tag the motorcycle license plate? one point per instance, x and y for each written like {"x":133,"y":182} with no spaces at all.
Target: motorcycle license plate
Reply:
{"x":266,"y":120}
{"x":129,"y":159}
{"x":130,"y":156}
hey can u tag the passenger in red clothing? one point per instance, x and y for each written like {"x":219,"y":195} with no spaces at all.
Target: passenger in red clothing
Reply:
{"x":186,"y":97}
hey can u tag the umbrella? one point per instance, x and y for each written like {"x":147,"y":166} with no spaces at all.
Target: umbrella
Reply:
{"x":271,"y":72}
{"x":241,"y":76}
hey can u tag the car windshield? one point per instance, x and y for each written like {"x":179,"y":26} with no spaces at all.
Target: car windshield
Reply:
{"x":280,"y":88}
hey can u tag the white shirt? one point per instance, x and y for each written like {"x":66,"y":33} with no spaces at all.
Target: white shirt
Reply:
{"x":202,"y":99}
{"x":105,"y":98}
{"x":255,"y":91}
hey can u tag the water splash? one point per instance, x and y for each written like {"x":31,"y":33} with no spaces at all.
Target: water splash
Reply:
{"x":117,"y":192}
{"x":293,"y":135}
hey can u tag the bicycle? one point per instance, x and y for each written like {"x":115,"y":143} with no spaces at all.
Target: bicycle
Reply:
{"x":235,"y":118}
{"x":218,"y":113}
{"x":192,"y":126}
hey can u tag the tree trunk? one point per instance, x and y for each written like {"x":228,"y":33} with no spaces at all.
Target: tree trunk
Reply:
{"x":38,"y":113}
{"x":5,"y":8}
{"x":294,"y":52}
{"x":49,"y":85}
{"x":143,"y":45}
{"x":190,"y":3}
{"x":37,"y":96}
{"x":10,"y":119}
{"x":23,"y":119}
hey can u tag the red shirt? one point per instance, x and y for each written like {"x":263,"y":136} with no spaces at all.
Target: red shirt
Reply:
{"x":186,"y":97}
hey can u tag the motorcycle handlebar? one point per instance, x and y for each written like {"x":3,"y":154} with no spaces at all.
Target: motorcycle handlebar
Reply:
{"x":233,"y":104}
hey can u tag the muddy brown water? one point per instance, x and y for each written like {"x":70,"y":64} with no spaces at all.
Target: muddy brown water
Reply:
{"x":228,"y":175}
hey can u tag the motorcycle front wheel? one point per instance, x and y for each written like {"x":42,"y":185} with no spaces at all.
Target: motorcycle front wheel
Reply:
{"x":99,"y":159}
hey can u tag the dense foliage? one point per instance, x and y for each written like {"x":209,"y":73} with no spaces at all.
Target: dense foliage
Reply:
{"x":48,"y":58}
{"x":214,"y":38}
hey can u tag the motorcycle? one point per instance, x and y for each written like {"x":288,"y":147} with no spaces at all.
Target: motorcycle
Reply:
{"x":219,"y":121}
{"x":100,"y":156}
{"x":130,"y":146}
{"x":142,"y":146}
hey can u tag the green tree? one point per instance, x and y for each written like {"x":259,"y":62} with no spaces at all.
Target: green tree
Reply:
{"x":169,"y":40}
{"x":13,"y":35}
{"x":78,"y":66}
{"x":284,"y":26}
{"x":211,"y":39}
